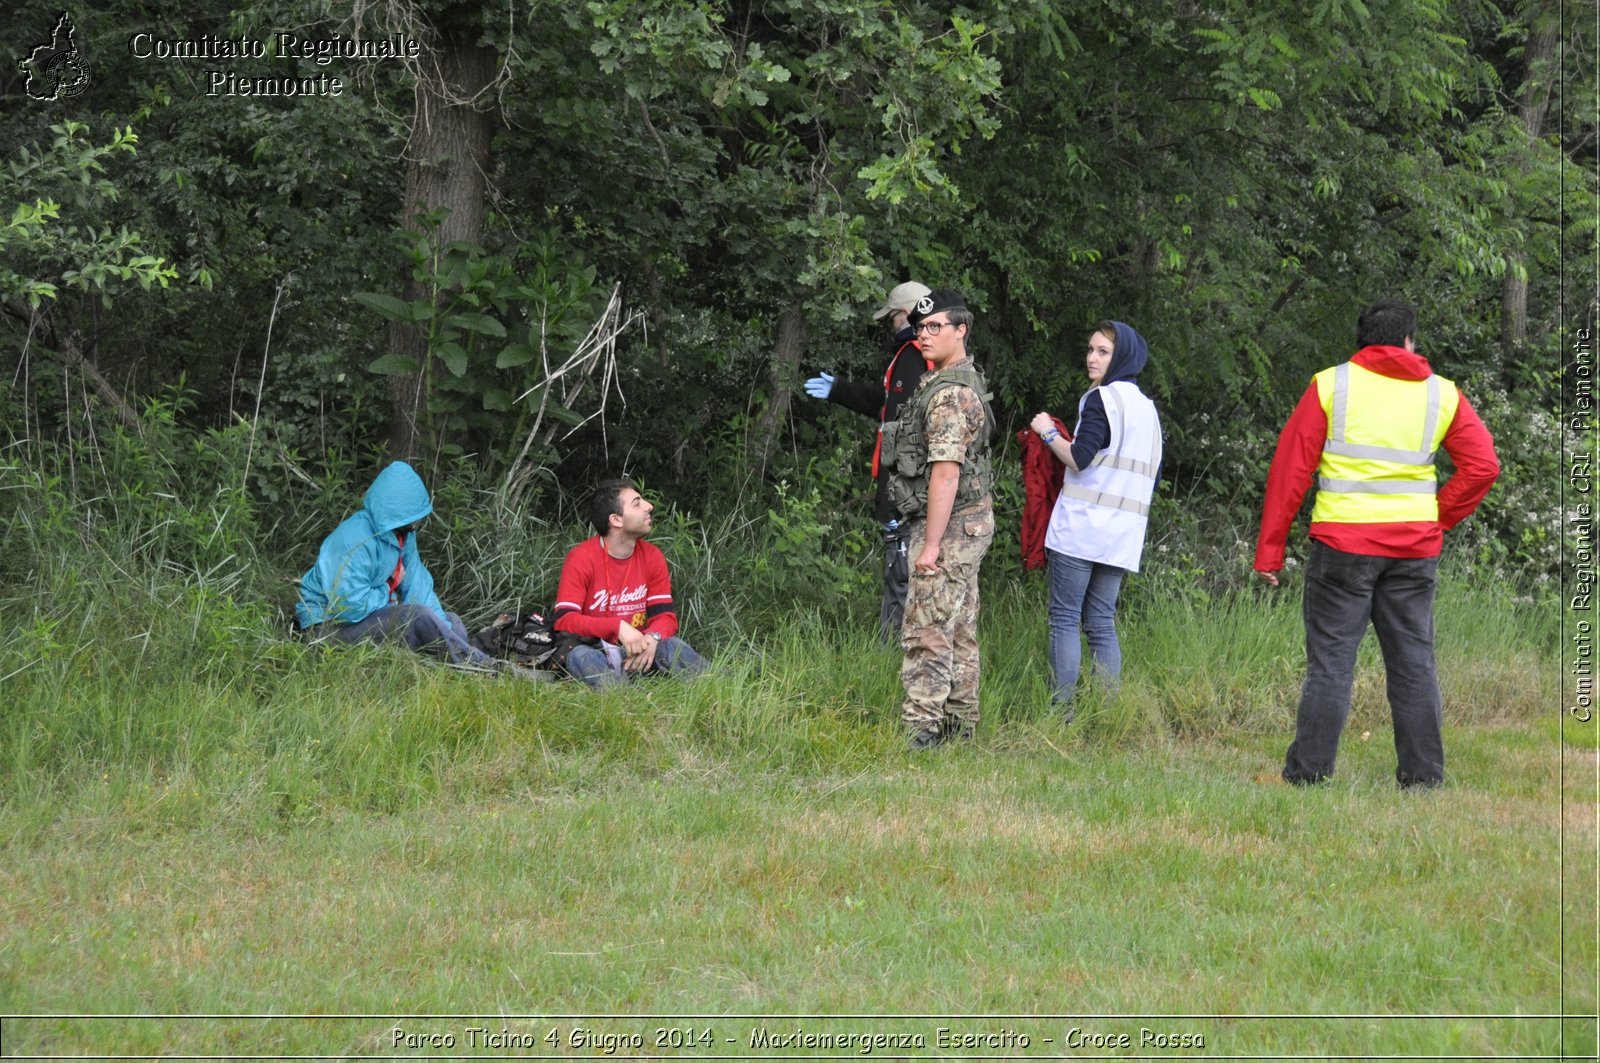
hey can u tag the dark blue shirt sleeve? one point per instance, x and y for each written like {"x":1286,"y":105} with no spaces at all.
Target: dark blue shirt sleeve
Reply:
{"x":1093,"y":433}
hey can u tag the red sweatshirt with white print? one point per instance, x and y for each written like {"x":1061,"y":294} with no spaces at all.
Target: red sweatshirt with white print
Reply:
{"x":597,"y":592}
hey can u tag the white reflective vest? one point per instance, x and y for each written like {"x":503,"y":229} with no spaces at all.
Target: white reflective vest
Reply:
{"x":1103,"y":510}
{"x":1377,"y":461}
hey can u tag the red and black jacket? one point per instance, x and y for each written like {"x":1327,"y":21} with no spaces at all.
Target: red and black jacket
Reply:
{"x":882,"y":400}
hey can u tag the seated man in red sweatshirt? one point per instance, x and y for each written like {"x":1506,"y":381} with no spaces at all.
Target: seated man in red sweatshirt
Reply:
{"x":615,"y":588}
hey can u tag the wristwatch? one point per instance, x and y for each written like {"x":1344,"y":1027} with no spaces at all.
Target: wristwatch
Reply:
{"x":654,"y":634}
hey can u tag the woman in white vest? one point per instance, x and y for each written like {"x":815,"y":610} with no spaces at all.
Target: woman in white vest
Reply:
{"x":1097,"y":528}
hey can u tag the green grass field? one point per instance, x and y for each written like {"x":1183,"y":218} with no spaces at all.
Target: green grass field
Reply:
{"x":260,"y":829}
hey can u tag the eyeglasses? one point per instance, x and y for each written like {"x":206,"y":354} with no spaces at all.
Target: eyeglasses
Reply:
{"x":931,"y":328}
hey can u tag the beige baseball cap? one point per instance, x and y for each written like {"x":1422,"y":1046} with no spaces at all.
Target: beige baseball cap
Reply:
{"x":902,"y":297}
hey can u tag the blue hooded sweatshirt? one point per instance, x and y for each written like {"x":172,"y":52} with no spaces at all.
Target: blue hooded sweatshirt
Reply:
{"x":1129,"y":354}
{"x":351,"y":577}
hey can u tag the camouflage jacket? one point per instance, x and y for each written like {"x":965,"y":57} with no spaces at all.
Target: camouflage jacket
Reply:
{"x":946,"y":419}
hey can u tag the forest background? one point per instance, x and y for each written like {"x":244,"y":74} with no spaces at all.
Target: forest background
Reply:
{"x":575,"y":240}
{"x":569,"y":241}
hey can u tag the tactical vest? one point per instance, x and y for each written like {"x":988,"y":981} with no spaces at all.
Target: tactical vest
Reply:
{"x":1377,"y":461}
{"x":905,"y":446}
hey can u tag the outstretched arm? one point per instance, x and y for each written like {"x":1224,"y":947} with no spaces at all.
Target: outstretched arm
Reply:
{"x":865,"y":399}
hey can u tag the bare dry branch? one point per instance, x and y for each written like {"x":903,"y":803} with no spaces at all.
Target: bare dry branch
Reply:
{"x":565,"y":383}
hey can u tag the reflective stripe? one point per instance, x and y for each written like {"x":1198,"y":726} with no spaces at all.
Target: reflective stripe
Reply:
{"x":1100,"y":498}
{"x":1143,"y":468}
{"x":1379,"y":487}
{"x":1335,"y":443}
{"x":1431,"y":423}
{"x":1133,"y":465}
{"x":1341,"y":401}
{"x":1358,"y":450}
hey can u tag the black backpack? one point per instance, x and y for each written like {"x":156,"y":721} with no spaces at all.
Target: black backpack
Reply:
{"x":529,"y":640}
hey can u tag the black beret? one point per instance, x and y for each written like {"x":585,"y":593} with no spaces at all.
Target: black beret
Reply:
{"x":935,"y":301}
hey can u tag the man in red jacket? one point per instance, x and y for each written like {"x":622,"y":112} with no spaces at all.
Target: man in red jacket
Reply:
{"x":1368,"y":429}
{"x":615,"y":589}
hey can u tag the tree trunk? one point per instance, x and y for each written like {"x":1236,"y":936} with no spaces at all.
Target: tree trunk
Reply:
{"x":1532,"y":105}
{"x":102,"y":386}
{"x":1514,"y":304}
{"x":764,"y":435}
{"x":448,"y":156}
{"x":658,"y":313}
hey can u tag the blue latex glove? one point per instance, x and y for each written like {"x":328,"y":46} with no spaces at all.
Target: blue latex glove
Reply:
{"x":820,"y":387}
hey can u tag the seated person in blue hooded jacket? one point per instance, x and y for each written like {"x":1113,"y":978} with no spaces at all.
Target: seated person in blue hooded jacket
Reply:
{"x":369,"y":583}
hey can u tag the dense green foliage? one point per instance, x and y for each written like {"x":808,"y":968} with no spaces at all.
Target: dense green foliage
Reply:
{"x":1235,"y":179}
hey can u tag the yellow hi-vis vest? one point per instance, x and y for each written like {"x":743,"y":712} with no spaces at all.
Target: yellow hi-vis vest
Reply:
{"x":1377,"y":462}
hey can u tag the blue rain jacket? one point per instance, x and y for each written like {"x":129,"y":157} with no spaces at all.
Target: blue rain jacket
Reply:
{"x":351,"y":577}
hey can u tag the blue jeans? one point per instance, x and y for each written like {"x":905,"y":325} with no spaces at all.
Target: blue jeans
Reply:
{"x":419,"y":626}
{"x":1083,"y":592}
{"x":1343,"y":591}
{"x":602,"y":665}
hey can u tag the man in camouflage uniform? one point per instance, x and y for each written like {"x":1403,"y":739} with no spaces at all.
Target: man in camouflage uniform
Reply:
{"x":941,"y":480}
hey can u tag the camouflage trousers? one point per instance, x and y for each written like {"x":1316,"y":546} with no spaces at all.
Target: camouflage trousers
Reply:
{"x":940,"y":636}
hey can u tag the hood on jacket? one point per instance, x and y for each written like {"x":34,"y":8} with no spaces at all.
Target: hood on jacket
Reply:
{"x":396,"y":498}
{"x":1129,"y":353}
{"x":1395,"y":362}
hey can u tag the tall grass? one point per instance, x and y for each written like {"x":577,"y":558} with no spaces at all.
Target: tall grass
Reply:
{"x":189,"y":685}
{"x":146,"y":633}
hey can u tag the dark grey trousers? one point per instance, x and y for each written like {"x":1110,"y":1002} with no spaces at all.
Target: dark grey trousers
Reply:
{"x":896,"y":580}
{"x":1343,"y":592}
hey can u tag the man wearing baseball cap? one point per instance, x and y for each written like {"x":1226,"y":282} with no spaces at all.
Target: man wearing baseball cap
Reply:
{"x":881,"y":400}
{"x":936,"y":459}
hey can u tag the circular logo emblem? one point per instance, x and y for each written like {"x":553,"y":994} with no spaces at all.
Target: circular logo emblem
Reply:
{"x":925,"y":305}
{"x":68,"y":74}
